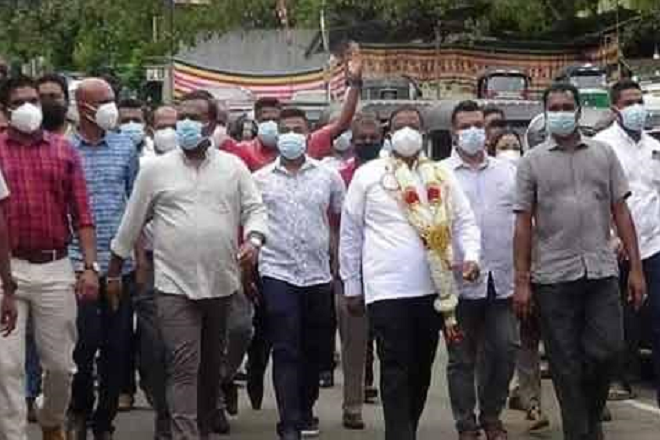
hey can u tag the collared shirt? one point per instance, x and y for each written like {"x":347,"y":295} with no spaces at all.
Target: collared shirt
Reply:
{"x":490,"y":189}
{"x":570,"y":193}
{"x":48,"y":189}
{"x":379,"y":246}
{"x":298,"y":246}
{"x":196,"y":211}
{"x":258,"y":156}
{"x":110,"y":170}
{"x":641,"y":163}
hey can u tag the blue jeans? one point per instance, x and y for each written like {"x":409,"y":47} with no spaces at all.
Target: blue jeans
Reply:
{"x":298,"y":319}
{"x":108,"y":332}
{"x":32,"y":364}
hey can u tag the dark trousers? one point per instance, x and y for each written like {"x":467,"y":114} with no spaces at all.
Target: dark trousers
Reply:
{"x":259,"y":351}
{"x":407,"y":334}
{"x":652,"y":275}
{"x":582,"y":328}
{"x":298,"y":318}
{"x":490,"y":343}
{"x":101,"y":330}
{"x":628,"y":369}
{"x":328,"y":364}
{"x":152,"y":360}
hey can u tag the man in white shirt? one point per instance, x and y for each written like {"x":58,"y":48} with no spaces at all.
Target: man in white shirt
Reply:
{"x":295,"y":270}
{"x":639,"y":155}
{"x":197,"y":198}
{"x":485,"y":312}
{"x":384,"y":262}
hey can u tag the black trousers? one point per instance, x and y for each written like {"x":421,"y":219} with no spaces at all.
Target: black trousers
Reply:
{"x":407,"y":334}
{"x":582,"y":328}
{"x":297,"y":318}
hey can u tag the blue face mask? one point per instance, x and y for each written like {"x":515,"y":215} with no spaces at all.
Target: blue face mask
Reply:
{"x":134,"y":130}
{"x":561,"y":124}
{"x":472,"y":140}
{"x":634,"y":117}
{"x":268,"y":133}
{"x":292,"y":145}
{"x":189,"y":133}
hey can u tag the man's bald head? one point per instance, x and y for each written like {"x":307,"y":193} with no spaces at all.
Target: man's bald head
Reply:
{"x":165,"y":117}
{"x":91,"y":94}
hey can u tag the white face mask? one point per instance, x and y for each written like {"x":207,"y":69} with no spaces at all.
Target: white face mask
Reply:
{"x":343,"y":142}
{"x":107,"y":116}
{"x":407,"y":142}
{"x":512,"y":156}
{"x":27,"y":118}
{"x":165,"y":140}
{"x":472,"y":140}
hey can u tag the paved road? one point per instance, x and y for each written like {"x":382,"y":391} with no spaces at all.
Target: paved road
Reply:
{"x":635,"y":420}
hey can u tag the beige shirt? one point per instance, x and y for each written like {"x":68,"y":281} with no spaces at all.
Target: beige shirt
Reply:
{"x":571,"y":193}
{"x":196,"y":213}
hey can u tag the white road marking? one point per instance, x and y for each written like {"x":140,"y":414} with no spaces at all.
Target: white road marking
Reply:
{"x":643,"y":406}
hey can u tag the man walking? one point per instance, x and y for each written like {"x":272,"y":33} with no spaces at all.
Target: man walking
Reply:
{"x":295,"y":270}
{"x":569,"y":189}
{"x":110,"y":162}
{"x":485,"y":310}
{"x":49,"y":197}
{"x":197,"y":197}
{"x":367,"y":141}
{"x":639,"y":155}
{"x":402,"y":268}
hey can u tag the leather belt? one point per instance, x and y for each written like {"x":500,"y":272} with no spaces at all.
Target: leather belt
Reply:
{"x":40,"y":257}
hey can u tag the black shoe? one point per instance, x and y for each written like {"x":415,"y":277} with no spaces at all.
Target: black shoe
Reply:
{"x":326,"y":379}
{"x":290,"y":435}
{"x":370,"y":394}
{"x":353,"y":422}
{"x":241,"y":376}
{"x":230,"y":392}
{"x":31,"y":410}
{"x":310,"y":428}
{"x":255,"y":389}
{"x":220,"y":425}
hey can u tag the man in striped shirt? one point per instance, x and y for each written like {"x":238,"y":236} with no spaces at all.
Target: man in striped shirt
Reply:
{"x":110,"y":162}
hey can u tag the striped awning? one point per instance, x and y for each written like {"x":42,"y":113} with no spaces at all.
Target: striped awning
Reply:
{"x":188,"y":77}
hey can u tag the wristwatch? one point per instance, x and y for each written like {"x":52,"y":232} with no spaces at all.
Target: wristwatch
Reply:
{"x":94,"y":267}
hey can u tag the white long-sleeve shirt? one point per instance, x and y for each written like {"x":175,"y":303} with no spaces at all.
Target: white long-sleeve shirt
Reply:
{"x":196,"y":213}
{"x":381,"y":255}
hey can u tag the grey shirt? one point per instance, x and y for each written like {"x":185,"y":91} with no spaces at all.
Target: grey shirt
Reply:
{"x":298,"y":247}
{"x":196,"y":211}
{"x":571,"y":193}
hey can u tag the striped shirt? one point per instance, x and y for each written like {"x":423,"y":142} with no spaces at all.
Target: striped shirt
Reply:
{"x":110,"y":169}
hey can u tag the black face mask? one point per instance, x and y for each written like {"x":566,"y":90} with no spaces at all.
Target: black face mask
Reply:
{"x":367,"y":152}
{"x":54,"y":115}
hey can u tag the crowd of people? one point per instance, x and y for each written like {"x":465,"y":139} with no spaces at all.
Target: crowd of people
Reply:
{"x":264,"y":248}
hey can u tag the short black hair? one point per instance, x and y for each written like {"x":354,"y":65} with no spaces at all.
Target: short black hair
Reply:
{"x":561,"y":87}
{"x":406,"y":108}
{"x":204,"y":95}
{"x":13,"y":83}
{"x":265,"y":103}
{"x":57,"y":79}
{"x":492,"y":109}
{"x":468,"y":106}
{"x":294,"y":112}
{"x":621,"y":86}
{"x":366,"y":119}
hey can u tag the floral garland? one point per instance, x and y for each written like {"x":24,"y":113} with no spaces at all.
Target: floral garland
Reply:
{"x":432,"y":221}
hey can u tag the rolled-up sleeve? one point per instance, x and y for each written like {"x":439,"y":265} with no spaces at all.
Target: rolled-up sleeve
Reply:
{"x":464,"y":225}
{"x":351,"y":239}
{"x":137,"y":212}
{"x":525,"y":193}
{"x":79,"y":209}
{"x":254,"y":215}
